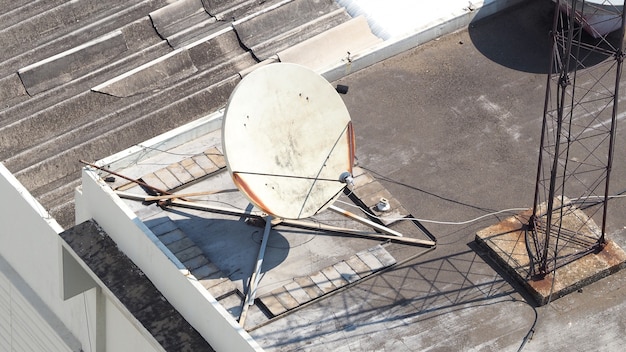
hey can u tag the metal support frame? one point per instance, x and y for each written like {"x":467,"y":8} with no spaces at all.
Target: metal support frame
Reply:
{"x":577,"y":136}
{"x":256,"y":274}
{"x":388,"y":234}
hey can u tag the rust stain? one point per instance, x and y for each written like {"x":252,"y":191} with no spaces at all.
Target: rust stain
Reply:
{"x":612,"y":254}
{"x":507,"y":226}
{"x":543,"y":285}
{"x":505,"y":240}
{"x":351,"y":146}
{"x":245,"y":188}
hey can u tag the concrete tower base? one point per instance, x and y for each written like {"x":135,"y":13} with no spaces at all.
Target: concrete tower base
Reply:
{"x":505,"y":244}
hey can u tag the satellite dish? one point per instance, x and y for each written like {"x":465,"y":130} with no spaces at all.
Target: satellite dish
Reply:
{"x":288,"y":140}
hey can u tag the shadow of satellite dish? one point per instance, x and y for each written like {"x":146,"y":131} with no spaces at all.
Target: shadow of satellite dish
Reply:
{"x":233,"y":244}
{"x":519,"y":38}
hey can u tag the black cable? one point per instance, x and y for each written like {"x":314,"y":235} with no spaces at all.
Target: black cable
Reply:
{"x":531,"y":331}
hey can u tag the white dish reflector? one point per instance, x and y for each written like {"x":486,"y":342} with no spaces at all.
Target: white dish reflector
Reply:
{"x":287,"y":139}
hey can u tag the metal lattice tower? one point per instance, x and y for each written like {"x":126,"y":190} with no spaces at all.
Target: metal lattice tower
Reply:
{"x":577,"y":137}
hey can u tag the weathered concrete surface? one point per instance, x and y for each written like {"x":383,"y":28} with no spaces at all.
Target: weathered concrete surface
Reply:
{"x":183,"y":21}
{"x":506,"y":245}
{"x":452,"y":129}
{"x":131,"y":286}
{"x":72,"y":64}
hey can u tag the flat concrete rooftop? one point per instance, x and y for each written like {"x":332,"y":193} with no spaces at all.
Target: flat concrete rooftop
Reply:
{"x":451,"y":131}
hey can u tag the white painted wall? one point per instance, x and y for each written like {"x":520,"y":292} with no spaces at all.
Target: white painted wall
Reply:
{"x":29,"y":261}
{"x":22,"y":326}
{"x":95,"y":200}
{"x":33,"y":314}
{"x":122,"y":334}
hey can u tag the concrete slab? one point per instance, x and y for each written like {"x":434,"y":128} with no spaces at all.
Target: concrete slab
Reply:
{"x":367,"y":192}
{"x":297,"y":292}
{"x":506,"y":245}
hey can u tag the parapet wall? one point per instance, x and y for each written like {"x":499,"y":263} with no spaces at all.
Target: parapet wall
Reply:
{"x":30,"y":267}
{"x":95,"y":200}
